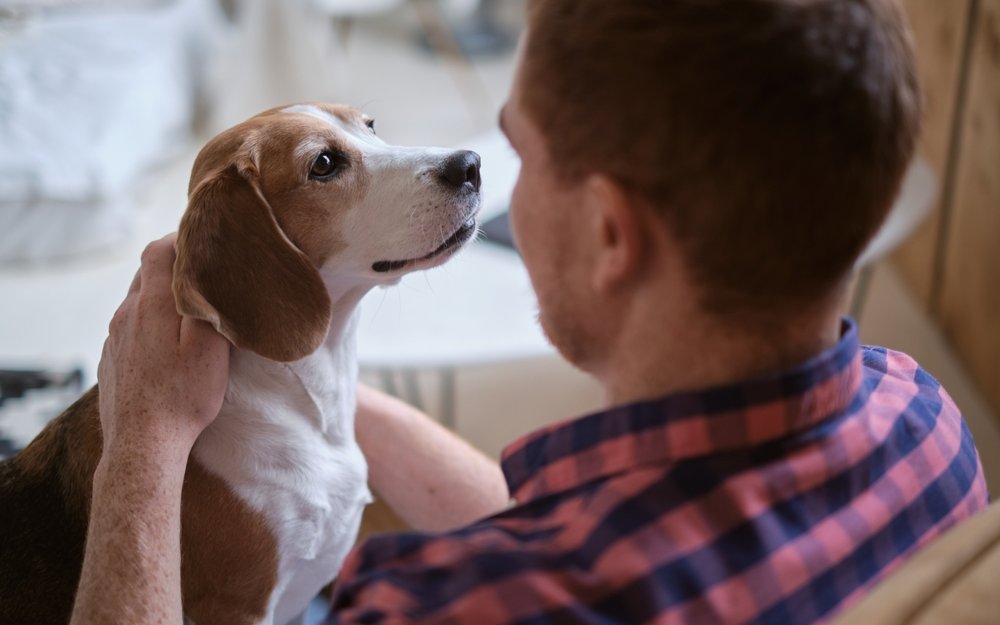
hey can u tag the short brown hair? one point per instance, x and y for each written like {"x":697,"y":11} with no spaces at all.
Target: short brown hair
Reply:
{"x":773,"y":134}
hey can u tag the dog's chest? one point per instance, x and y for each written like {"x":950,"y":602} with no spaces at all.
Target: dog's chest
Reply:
{"x":284,"y":442}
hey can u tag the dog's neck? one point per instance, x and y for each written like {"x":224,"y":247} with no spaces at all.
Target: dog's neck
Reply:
{"x":311,"y":397}
{"x":345,"y":296}
{"x":329,"y":374}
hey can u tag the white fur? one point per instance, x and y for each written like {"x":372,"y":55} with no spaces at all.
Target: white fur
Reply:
{"x":284,"y":441}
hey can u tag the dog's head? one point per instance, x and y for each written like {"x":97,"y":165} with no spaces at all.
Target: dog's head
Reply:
{"x":304,"y":197}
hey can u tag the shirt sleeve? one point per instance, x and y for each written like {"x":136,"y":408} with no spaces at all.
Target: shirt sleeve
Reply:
{"x":477,"y":576}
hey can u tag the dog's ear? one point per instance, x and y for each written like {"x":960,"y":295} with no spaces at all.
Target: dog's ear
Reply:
{"x":238,"y":270}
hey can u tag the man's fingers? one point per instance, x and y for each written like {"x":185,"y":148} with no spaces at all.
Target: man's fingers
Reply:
{"x":196,"y":330}
{"x":199,"y":332}
{"x":136,"y":283}
{"x":105,"y":362}
{"x":158,"y":262}
{"x":119,"y":320}
{"x":155,"y":284}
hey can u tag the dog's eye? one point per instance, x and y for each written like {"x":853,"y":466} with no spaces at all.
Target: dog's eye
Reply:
{"x":325,"y":166}
{"x":371,"y":125}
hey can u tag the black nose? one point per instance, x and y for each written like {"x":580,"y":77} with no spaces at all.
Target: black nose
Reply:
{"x":462,"y":168}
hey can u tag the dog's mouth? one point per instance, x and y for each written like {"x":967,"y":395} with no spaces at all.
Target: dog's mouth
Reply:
{"x":455,"y":241}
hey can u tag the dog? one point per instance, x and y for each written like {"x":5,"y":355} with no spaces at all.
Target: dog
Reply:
{"x":292,"y":217}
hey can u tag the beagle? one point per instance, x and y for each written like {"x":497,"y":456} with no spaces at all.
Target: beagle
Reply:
{"x":293,"y":216}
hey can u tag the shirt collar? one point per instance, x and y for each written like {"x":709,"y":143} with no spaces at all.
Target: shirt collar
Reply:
{"x":686,"y":425}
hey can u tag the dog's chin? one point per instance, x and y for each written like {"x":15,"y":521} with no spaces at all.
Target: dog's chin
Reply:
{"x":394,"y":269}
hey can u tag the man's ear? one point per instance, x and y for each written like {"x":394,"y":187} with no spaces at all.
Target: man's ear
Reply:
{"x":238,"y":270}
{"x":617,"y":225}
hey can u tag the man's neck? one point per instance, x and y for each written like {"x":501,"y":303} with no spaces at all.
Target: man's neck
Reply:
{"x":660,"y":352}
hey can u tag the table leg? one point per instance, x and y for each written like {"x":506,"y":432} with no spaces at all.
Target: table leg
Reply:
{"x":413,"y":395}
{"x":410,"y":391}
{"x":447,"y":376}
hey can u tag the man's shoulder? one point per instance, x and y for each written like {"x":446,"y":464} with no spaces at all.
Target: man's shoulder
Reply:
{"x":886,"y":361}
{"x":919,"y":426}
{"x":889,"y":373}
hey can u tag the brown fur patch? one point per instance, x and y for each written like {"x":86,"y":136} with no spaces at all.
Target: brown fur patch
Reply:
{"x":236,"y":269}
{"x":229,"y":563}
{"x":45,"y":496}
{"x":307,"y":211}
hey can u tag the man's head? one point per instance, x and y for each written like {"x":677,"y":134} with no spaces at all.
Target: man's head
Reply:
{"x":769,"y":137}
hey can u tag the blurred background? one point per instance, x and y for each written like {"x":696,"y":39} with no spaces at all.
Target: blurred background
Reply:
{"x":104,"y":104}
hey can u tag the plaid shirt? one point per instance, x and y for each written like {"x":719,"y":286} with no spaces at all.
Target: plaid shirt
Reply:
{"x":778,"y":500}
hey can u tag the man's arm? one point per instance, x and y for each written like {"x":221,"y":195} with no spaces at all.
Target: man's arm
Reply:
{"x":131,"y":571}
{"x":162,"y":380}
{"x":432,"y":478}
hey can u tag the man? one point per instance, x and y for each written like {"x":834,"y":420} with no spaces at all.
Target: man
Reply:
{"x":698,"y":179}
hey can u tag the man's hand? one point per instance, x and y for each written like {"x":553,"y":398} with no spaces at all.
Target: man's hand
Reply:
{"x":162,"y":380}
{"x":162,"y":377}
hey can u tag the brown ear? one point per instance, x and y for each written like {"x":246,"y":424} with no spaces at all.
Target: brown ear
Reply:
{"x":237,"y":270}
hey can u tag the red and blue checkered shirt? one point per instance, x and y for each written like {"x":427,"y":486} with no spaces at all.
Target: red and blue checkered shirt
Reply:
{"x":777,"y":500}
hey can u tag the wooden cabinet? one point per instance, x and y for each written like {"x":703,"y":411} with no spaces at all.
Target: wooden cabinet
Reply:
{"x":939,"y":37}
{"x":969,"y":304}
{"x":953,"y":262}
